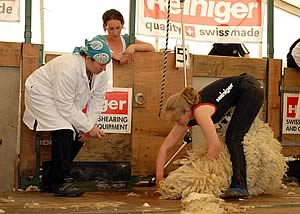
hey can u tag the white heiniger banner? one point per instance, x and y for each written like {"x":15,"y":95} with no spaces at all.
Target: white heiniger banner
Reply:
{"x":231,"y":21}
{"x":9,"y":10}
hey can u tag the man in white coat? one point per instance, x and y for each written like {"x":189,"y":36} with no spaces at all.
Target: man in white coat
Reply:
{"x":55,"y":95}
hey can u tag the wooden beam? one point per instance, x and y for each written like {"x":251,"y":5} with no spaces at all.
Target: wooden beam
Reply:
{"x":273,"y":96}
{"x":221,"y":66}
{"x":148,"y":129}
{"x":29,"y":62}
{"x":291,"y":150}
{"x":10,"y":53}
{"x":291,"y":79}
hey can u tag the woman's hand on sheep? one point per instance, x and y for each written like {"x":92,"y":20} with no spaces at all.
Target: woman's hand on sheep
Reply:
{"x":158,"y":180}
{"x":213,"y":151}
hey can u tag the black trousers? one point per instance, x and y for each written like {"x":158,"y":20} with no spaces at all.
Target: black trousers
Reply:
{"x":248,"y":104}
{"x":63,"y":151}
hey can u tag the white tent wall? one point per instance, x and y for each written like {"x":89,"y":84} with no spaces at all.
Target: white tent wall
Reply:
{"x":68,"y":23}
{"x":14,"y":31}
{"x":286,"y":31}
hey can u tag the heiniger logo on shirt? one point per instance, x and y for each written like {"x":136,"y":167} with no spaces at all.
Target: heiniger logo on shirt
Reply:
{"x":224,"y":92}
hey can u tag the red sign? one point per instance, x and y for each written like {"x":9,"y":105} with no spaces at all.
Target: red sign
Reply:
{"x":116,"y":102}
{"x":291,"y":106}
{"x":208,"y":12}
{"x":190,"y":31}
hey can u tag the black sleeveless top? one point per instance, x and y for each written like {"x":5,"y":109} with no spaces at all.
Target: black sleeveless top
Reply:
{"x":222,"y":94}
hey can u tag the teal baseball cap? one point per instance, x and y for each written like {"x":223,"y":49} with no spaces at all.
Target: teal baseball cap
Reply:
{"x":97,"y":49}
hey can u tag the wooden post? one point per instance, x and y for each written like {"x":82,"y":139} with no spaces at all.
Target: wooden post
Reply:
{"x":30,"y":61}
{"x":273,"y":95}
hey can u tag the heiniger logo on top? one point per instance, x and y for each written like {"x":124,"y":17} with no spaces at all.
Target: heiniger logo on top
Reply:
{"x":204,"y":20}
{"x":208,"y":12}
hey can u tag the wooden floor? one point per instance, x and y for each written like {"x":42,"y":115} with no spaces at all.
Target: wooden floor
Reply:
{"x":285,"y":201}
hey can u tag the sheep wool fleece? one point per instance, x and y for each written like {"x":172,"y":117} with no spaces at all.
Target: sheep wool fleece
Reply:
{"x":265,"y":166}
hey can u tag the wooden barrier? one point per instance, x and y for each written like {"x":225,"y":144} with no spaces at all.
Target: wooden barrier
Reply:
{"x":30,"y":60}
{"x":219,"y":66}
{"x":10,"y":53}
{"x":144,"y":75}
{"x":9,"y":86}
{"x":267,"y":70}
{"x":18,"y":61}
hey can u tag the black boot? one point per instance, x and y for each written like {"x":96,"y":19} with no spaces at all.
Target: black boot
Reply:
{"x":46,"y":182}
{"x":67,"y":189}
{"x":236,"y":193}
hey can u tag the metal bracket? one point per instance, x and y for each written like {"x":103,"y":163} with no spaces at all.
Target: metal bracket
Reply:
{"x":139,"y":98}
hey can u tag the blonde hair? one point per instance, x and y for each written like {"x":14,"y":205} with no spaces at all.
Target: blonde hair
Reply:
{"x":178,"y":103}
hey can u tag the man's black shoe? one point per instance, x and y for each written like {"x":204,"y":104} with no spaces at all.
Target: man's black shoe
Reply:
{"x":67,"y":189}
{"x":46,"y":188}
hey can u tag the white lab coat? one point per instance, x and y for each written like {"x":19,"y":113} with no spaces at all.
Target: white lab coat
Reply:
{"x":56,"y":93}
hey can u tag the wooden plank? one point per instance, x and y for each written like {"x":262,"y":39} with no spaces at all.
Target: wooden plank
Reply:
{"x":220,"y":66}
{"x":9,"y":108}
{"x":10,"y":53}
{"x":149,"y":130}
{"x":29,"y":62}
{"x":291,"y":79}
{"x":110,"y":148}
{"x":123,"y":74}
{"x":9,"y":65}
{"x":49,"y":57}
{"x":291,"y":151}
{"x":273,"y":96}
{"x":291,"y":138}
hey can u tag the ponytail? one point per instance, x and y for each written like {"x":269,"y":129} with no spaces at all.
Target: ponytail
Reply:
{"x":190,"y":95}
{"x":177,"y":104}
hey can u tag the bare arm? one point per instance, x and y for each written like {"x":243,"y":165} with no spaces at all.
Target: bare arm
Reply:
{"x":117,"y":56}
{"x":203,"y":116}
{"x":140,"y":47}
{"x":176,"y":132}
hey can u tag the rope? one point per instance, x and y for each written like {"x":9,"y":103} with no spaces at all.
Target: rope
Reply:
{"x":162,"y":91}
{"x":187,"y":137}
{"x":183,"y":41}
